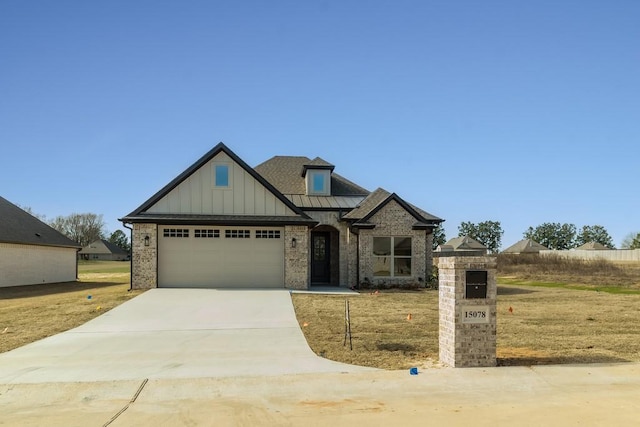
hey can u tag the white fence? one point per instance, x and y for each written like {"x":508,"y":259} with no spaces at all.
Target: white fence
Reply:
{"x":608,"y":254}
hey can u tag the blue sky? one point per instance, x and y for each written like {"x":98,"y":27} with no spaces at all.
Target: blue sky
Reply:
{"x":518,"y":112}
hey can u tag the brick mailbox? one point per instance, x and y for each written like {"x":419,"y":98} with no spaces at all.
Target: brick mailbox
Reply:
{"x":467,"y":311}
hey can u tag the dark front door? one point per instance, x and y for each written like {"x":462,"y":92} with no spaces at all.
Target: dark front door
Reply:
{"x":320,"y":258}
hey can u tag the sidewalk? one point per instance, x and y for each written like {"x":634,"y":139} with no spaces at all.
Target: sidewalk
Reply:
{"x":585,"y":395}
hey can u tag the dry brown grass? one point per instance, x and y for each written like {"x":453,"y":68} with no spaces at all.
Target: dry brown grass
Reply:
{"x":382,"y":335}
{"x":555,"y":269}
{"x":547,"y":326}
{"x":556,"y":325}
{"x":30,"y":313}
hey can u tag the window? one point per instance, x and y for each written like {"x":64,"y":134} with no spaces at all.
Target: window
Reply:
{"x":175,"y":232}
{"x":237,"y":234}
{"x":267,"y":234}
{"x":221,"y":175}
{"x":318,"y":182}
{"x":210,"y":234}
{"x":392,"y":256}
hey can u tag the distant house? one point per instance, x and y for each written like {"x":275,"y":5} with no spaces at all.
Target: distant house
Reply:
{"x":103,"y":250}
{"x":463,"y":244}
{"x":31,"y":252}
{"x":593,"y":246}
{"x":525,"y":246}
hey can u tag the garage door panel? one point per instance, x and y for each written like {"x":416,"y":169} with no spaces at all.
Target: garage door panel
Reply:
{"x":221,"y":261}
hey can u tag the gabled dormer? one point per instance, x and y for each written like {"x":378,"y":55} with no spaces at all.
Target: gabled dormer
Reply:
{"x":317,"y":175}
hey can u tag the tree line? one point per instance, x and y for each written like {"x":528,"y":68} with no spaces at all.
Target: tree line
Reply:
{"x":84,"y":228}
{"x":553,"y":235}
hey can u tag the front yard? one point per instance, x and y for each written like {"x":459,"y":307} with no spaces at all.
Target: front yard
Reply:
{"x":30,"y":313}
{"x":399,"y":329}
{"x":538,"y":323}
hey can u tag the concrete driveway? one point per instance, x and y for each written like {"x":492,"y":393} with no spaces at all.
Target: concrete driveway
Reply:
{"x":176,"y":333}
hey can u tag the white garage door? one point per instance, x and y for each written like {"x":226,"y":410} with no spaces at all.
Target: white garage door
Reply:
{"x":225,"y":257}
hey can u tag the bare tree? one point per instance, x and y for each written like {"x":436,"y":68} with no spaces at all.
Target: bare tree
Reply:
{"x":30,"y":211}
{"x":82,"y":228}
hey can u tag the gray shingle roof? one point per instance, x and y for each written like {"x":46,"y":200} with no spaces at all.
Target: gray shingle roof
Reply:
{"x":285,"y":173}
{"x":465,"y":242}
{"x":319,"y":162}
{"x":378,"y":198}
{"x":371,"y":202}
{"x":593,"y":246}
{"x":103,"y":247}
{"x":18,"y":226}
{"x":525,"y":246}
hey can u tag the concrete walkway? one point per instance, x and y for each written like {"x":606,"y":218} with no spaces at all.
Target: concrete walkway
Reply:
{"x":175,"y":333}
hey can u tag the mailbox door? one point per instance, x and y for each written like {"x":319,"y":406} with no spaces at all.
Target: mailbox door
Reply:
{"x":476,"y":284}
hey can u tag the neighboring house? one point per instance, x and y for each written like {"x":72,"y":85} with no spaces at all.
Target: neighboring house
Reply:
{"x":463,"y":244}
{"x":289,"y":222}
{"x":525,"y":246}
{"x":593,"y":246}
{"x":31,"y":252}
{"x":103,"y":250}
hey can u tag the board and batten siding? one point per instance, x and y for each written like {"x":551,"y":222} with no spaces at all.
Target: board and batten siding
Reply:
{"x":31,"y":264}
{"x":198,"y":195}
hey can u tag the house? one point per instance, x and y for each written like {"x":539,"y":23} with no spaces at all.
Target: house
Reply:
{"x":525,"y":246}
{"x":103,"y":250}
{"x":289,"y":222}
{"x":593,"y":246}
{"x":464,"y":244}
{"x":31,"y":252}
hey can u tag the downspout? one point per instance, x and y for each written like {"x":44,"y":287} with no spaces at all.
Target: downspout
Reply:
{"x":357,"y":261}
{"x":124,"y":224}
{"x":77,"y":262}
{"x":356,"y":233}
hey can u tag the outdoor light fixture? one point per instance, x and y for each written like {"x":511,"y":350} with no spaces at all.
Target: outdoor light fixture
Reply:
{"x":146,"y":240}
{"x":293,"y":242}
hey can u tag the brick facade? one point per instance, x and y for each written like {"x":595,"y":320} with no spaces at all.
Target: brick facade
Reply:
{"x":296,"y":260}
{"x":394,"y":220}
{"x":340,"y":256}
{"x":346,"y":270}
{"x":466,"y":344}
{"x":144,"y":261}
